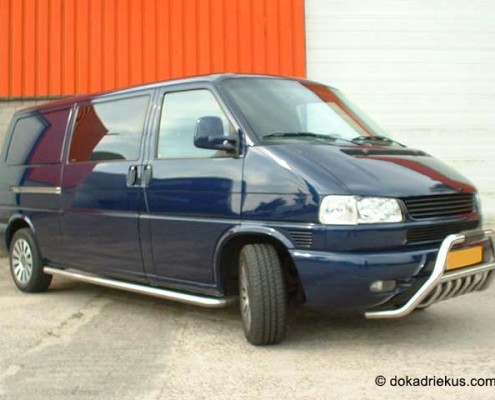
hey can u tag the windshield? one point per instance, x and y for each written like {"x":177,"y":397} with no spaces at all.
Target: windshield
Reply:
{"x":299,"y":110}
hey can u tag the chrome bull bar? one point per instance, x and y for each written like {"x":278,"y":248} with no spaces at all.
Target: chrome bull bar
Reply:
{"x":442,"y":284}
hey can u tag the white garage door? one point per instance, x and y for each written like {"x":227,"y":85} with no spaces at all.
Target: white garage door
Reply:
{"x":423,"y":69}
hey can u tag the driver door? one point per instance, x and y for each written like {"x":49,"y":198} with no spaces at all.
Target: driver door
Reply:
{"x":194,"y":194}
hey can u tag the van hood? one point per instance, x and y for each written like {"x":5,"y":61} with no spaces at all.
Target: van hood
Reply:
{"x":362,"y":170}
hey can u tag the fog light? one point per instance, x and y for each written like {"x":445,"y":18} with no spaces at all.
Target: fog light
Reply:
{"x":382,"y":286}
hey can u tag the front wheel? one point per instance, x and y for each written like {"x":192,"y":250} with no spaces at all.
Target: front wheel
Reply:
{"x":26,"y":264}
{"x":263,"y":295}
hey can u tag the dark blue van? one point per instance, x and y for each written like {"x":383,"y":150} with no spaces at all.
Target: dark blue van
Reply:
{"x":270,"y":190}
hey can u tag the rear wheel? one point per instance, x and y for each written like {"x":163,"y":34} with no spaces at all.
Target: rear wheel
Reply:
{"x":263,"y":295}
{"x":26,"y":264}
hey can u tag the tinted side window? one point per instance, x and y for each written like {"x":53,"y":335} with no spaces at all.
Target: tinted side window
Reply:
{"x":111,"y":130}
{"x":180,"y":112}
{"x":38,"y":138}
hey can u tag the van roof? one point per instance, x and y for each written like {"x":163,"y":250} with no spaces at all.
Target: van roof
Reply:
{"x":194,"y":79}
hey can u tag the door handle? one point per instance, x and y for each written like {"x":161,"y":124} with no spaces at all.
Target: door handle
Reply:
{"x":147,"y":174}
{"x":132,"y":175}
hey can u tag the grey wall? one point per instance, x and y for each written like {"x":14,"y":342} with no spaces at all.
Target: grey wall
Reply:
{"x":7,"y":109}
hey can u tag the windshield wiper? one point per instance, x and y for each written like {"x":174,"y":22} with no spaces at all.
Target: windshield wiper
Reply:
{"x":303,"y":134}
{"x":377,"y":138}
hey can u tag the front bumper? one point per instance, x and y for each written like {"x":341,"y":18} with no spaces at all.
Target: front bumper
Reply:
{"x":341,"y":281}
{"x":442,"y":285}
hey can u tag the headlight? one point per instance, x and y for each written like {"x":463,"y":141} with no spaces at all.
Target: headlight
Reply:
{"x":353,"y":210}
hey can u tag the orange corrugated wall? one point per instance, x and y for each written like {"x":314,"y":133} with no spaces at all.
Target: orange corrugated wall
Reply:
{"x":59,"y":47}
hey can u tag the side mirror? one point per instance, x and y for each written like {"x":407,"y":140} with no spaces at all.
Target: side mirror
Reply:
{"x":209,"y":134}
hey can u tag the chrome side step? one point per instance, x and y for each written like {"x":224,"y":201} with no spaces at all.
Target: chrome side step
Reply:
{"x":202,"y":301}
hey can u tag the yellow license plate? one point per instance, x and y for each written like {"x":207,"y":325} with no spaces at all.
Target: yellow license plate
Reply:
{"x":464,"y":257}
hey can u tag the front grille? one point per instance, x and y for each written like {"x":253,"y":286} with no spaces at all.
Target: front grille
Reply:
{"x":438,"y":232}
{"x":444,"y":205}
{"x":302,"y":238}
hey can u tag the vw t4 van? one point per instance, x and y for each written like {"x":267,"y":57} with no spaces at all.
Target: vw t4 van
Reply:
{"x":261,"y":190}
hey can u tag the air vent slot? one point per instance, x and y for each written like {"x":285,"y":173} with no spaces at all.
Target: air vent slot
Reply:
{"x":438,"y":232}
{"x":302,"y":238}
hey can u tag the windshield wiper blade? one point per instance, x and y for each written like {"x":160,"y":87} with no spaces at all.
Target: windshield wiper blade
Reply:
{"x":297,"y":134}
{"x":323,"y":136}
{"x":377,"y":138}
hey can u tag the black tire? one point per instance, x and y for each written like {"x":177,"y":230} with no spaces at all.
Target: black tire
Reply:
{"x":26,"y":264}
{"x":262,"y":285}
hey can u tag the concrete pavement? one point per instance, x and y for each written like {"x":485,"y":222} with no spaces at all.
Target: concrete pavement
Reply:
{"x":80,"y":341}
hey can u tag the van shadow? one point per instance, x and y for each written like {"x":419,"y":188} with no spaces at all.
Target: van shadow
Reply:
{"x":307,"y":326}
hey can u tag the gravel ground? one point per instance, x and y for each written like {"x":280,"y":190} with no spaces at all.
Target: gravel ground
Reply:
{"x":84,"y":342}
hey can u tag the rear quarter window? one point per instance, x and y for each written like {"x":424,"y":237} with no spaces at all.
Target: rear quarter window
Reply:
{"x":38,"y":138}
{"x":109,"y":131}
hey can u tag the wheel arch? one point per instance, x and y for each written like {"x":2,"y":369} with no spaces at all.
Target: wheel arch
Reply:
{"x":228,"y":250}
{"x":16,"y":222}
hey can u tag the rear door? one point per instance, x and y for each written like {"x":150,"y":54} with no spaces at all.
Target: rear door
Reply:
{"x":102,"y":196}
{"x":194,"y":195}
